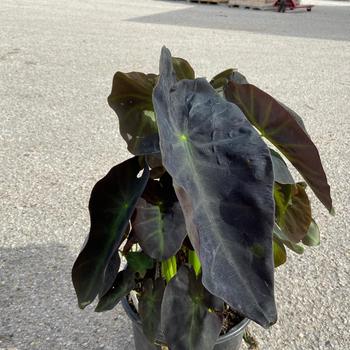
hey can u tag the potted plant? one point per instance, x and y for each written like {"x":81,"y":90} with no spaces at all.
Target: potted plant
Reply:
{"x":202,"y":212}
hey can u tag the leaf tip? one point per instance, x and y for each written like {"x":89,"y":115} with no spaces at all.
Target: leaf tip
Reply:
{"x":165,"y":51}
{"x":332,"y":211}
{"x":83,"y":304}
{"x":102,"y":306}
{"x":98,"y":308}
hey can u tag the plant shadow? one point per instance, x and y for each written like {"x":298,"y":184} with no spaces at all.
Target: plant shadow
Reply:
{"x":39,"y":309}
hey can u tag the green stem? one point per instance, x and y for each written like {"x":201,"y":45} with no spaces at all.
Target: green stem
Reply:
{"x":169,"y":268}
{"x":193,"y":259}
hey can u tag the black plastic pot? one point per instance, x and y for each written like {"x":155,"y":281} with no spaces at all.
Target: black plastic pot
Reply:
{"x":230,"y":341}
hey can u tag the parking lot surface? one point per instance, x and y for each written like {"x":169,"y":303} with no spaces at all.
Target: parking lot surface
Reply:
{"x":58,"y":137}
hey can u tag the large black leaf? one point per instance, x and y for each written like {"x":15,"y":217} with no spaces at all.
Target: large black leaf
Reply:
{"x":222,"y":173}
{"x":285,"y":129}
{"x":131,"y":99}
{"x":159,"y":233}
{"x":159,"y":223}
{"x":150,"y":307}
{"x":186,"y":320}
{"x":112,"y":203}
{"x":220,"y":81}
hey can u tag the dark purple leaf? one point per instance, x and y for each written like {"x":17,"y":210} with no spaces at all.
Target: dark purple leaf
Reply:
{"x":112,"y":203}
{"x":159,"y":223}
{"x":293,"y":210}
{"x":123,"y":284}
{"x":131,"y":99}
{"x":150,"y":307}
{"x":186,"y":320}
{"x":223,"y":177}
{"x":278,"y":124}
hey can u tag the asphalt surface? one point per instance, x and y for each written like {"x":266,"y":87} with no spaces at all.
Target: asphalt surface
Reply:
{"x":58,"y":136}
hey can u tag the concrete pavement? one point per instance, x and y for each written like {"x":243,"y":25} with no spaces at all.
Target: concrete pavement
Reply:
{"x":58,"y":136}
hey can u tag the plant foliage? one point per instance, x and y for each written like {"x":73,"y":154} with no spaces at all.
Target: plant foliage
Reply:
{"x":205,"y":210}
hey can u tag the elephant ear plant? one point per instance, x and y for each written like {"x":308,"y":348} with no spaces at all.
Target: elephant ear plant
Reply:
{"x":205,"y":208}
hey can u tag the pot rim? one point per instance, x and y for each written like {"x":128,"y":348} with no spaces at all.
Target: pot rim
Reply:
{"x":236,"y":330}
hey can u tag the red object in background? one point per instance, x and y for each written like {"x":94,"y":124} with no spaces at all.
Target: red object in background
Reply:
{"x":283,"y":5}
